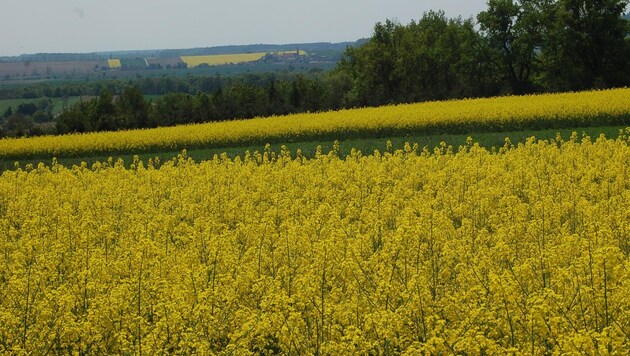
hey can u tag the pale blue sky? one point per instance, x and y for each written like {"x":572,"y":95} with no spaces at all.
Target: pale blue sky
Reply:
{"x":32,"y":26}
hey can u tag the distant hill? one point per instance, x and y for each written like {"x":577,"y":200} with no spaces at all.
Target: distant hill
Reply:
{"x":44,"y":66}
{"x":321,"y":48}
{"x":627,"y":16}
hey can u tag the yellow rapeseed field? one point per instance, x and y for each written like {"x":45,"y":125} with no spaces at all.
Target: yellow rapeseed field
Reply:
{"x":114,"y":63}
{"x":608,"y":107}
{"x":522,"y":250}
{"x":220,"y":59}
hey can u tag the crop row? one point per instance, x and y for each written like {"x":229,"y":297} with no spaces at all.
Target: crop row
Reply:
{"x":594,"y":108}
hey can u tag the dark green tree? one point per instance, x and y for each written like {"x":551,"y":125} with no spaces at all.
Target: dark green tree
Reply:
{"x":276,"y":102}
{"x":132,"y":108}
{"x":77,"y":118}
{"x":434,"y":58}
{"x":104,"y":114}
{"x":18,"y":124}
{"x":513,"y":31}
{"x":8,"y":112}
{"x":245,"y":101}
{"x":339,"y":86}
{"x":46,"y":105}
{"x":173,"y":109}
{"x":27,"y":109}
{"x":439,"y":59}
{"x":203,"y":109}
{"x":373,"y":66}
{"x":586,"y":45}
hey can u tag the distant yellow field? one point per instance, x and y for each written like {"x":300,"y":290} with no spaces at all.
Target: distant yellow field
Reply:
{"x":114,"y":63}
{"x":220,"y":59}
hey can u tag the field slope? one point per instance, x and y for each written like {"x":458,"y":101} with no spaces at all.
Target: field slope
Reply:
{"x":549,"y":111}
{"x":523,"y":250}
{"x":520,"y":249}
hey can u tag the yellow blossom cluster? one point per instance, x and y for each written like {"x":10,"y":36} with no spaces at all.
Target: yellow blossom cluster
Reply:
{"x":594,"y":108}
{"x":522,"y":250}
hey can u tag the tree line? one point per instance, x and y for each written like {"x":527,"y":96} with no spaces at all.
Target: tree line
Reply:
{"x":23,"y":120}
{"x":513,"y":47}
{"x":189,"y":84}
{"x":131,"y":110}
{"x":107,"y":105}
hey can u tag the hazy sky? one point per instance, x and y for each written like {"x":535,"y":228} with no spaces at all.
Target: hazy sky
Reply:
{"x":32,"y":26}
